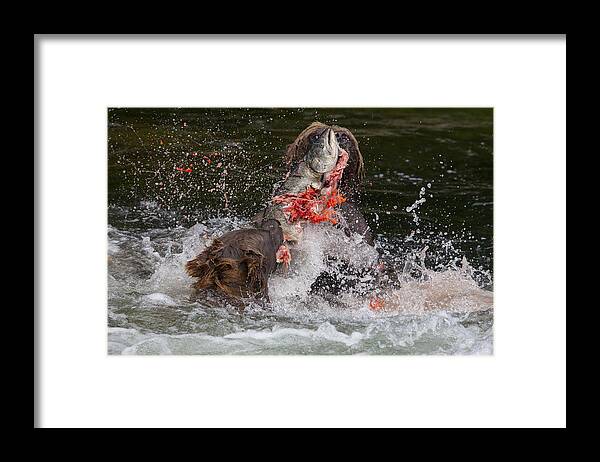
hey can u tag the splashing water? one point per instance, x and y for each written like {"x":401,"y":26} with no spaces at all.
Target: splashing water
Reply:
{"x":152,"y":309}
{"x":198,"y":180}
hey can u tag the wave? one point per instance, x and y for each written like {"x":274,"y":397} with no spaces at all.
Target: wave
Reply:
{"x":152,"y":309}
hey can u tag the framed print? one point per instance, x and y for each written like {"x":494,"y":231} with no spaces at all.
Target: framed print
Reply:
{"x":299,"y":231}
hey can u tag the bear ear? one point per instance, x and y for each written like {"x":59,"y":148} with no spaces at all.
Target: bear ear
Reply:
{"x":257,"y":278}
{"x":203,"y":269}
{"x":203,"y":266}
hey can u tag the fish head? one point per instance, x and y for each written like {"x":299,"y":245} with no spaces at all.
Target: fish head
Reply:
{"x":323,"y":151}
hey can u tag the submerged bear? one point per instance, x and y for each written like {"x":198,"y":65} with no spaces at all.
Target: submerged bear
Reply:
{"x":325,"y":172}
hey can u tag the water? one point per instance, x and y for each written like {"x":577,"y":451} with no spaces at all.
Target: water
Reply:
{"x":179,"y":177}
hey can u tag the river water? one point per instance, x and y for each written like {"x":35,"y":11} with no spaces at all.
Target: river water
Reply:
{"x":180,"y":177}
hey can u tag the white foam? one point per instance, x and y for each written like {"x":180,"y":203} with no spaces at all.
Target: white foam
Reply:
{"x":131,"y":342}
{"x":325,"y":331}
{"x":435,"y":333}
{"x":309,"y":260}
{"x":158,"y":298}
{"x":150,"y":300}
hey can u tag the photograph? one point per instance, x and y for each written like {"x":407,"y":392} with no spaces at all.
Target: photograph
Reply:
{"x":300,"y":231}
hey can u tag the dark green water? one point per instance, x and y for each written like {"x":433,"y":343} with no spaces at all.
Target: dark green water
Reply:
{"x":404,"y":149}
{"x":235,"y":157}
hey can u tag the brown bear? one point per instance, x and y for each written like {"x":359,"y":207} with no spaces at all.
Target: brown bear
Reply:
{"x":238,"y":264}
